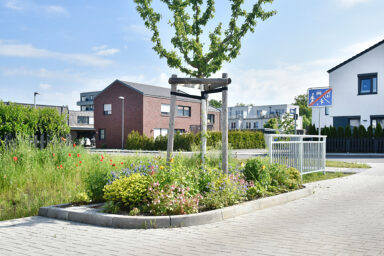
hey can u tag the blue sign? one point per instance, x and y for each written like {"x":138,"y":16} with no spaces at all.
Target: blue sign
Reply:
{"x":320,"y":97}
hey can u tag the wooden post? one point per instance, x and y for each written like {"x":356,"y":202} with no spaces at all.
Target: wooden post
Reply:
{"x":203,"y":129}
{"x":171,"y":129}
{"x":224,"y":125}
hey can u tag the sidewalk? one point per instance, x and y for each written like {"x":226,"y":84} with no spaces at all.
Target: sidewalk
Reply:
{"x":343,"y":217}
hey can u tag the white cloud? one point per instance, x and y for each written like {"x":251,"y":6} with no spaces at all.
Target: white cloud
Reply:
{"x":361,"y":46}
{"x":54,"y":9}
{"x":20,"y":5}
{"x":45,"y":86}
{"x":135,"y":31}
{"x":351,"y":3}
{"x":29,"y":51}
{"x":103,"y":50}
{"x":14,"y":4}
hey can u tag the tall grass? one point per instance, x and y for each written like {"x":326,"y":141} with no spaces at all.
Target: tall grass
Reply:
{"x":31,"y":178}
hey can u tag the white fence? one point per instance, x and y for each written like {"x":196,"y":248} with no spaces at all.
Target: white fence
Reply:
{"x":303,"y":152}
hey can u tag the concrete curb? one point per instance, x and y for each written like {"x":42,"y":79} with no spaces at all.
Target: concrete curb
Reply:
{"x":90,"y":215}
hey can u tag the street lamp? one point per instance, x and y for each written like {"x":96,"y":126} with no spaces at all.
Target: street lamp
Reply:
{"x":34,"y":98}
{"x":122,"y":121}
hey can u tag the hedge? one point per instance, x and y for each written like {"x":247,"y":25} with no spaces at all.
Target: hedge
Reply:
{"x":18,"y":119}
{"x":189,"y":141}
{"x":347,"y":132}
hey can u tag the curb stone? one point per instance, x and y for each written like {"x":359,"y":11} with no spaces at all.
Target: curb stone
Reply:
{"x":90,"y":215}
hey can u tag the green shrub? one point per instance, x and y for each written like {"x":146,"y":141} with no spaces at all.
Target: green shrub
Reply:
{"x":129,"y":192}
{"x":95,"y":182}
{"x":137,"y":141}
{"x":18,"y":119}
{"x":255,"y":191}
{"x":370,"y":132}
{"x":379,"y":133}
{"x":355,"y":133}
{"x":225,"y":191}
{"x":272,"y":177}
{"x":340,"y":132}
{"x":362,"y":132}
{"x":111,"y":207}
{"x":348,"y":132}
{"x":171,"y":200}
{"x":256,"y":170}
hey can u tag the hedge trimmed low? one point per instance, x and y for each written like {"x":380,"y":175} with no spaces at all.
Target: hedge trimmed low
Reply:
{"x":187,"y":141}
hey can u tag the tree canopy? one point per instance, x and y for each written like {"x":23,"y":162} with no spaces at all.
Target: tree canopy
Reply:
{"x":189,"y":19}
{"x":305,"y":111}
{"x":215,"y":103}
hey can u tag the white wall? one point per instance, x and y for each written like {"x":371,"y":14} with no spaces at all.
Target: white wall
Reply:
{"x":344,"y":82}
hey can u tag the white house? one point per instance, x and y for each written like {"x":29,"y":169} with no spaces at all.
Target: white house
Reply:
{"x":358,"y":91}
{"x":254,"y":117}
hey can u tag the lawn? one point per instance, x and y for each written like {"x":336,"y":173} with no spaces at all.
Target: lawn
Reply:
{"x":317,"y":176}
{"x":342,"y":164}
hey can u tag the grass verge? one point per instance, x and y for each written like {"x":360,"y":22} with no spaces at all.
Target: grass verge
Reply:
{"x":341,"y":164}
{"x":317,"y":176}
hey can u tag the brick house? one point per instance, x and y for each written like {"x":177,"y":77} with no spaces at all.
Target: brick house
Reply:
{"x":146,"y":110}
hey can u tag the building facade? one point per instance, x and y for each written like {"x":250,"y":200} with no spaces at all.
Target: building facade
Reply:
{"x":86,"y":100}
{"x":358,"y":98}
{"x":254,"y":117}
{"x":146,"y":110}
{"x":82,"y":125}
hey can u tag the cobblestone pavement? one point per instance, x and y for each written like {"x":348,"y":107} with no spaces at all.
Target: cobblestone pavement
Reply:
{"x":343,"y":217}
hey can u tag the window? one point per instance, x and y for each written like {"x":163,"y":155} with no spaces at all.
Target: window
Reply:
{"x":239,"y":113}
{"x":91,"y":120}
{"x":248,"y":125}
{"x":160,"y":132}
{"x":326,"y":111}
{"x":183,"y":111}
{"x":211,"y":118}
{"x":367,"y":84}
{"x":107,"y":109}
{"x":83,"y":120}
{"x":165,"y":109}
{"x":256,"y":125}
{"x":101,"y":134}
{"x":375,"y":120}
{"x":83,"y":98}
{"x":180,"y":131}
{"x":233,"y":125}
{"x":354,"y":122}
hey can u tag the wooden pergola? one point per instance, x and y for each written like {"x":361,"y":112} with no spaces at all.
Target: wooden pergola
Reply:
{"x":206,"y":86}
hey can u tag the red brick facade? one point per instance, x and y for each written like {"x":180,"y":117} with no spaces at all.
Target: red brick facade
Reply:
{"x":141,"y":113}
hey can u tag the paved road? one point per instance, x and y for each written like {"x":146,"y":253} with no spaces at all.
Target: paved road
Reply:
{"x":343,"y":217}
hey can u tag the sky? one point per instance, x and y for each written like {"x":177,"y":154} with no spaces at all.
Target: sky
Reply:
{"x":62,"y":48}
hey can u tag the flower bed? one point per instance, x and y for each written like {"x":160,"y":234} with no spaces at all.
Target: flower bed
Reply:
{"x":151,"y":188}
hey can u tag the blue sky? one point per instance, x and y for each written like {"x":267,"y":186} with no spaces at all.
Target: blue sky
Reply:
{"x":62,"y":48}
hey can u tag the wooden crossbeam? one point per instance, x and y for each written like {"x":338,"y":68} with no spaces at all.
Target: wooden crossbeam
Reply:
{"x":197,"y":81}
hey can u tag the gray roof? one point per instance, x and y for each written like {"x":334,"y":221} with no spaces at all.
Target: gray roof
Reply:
{"x":212,"y":109}
{"x":148,"y":90}
{"x":154,"y":91}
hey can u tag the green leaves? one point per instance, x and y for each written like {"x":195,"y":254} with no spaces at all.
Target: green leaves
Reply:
{"x":17,"y":119}
{"x":189,"y":27}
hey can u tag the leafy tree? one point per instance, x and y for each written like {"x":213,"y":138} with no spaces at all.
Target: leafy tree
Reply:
{"x":271,"y":124}
{"x":215,"y":103}
{"x":188,"y":22}
{"x":287,"y":124}
{"x":304,"y":111}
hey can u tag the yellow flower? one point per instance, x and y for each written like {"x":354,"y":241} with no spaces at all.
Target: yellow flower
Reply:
{"x":171,"y":160}
{"x":161,"y":167}
{"x":263,"y":167}
{"x":242,"y":164}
